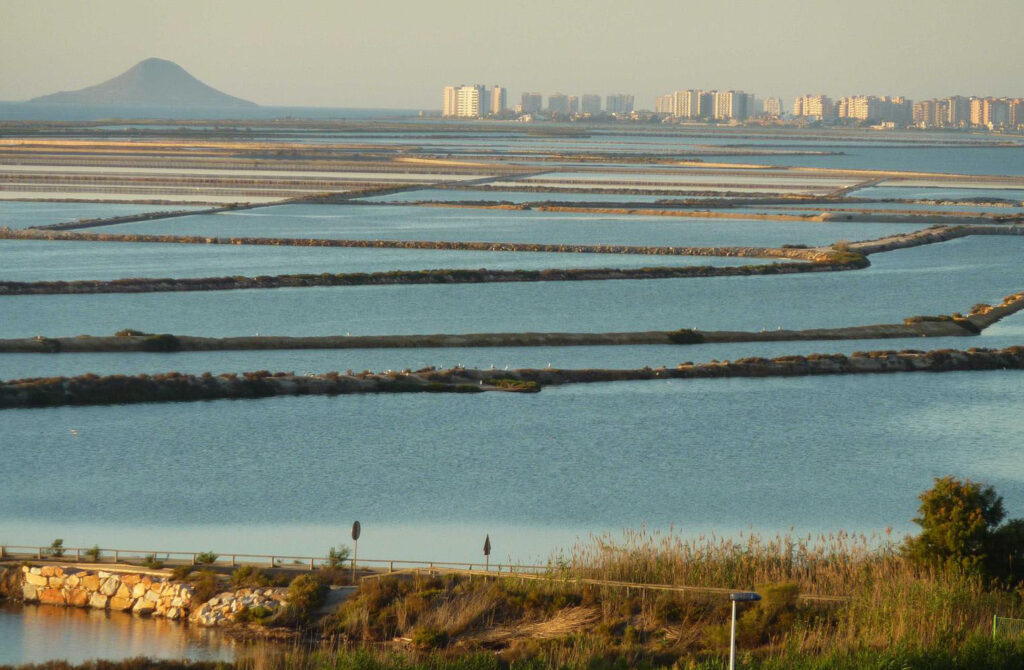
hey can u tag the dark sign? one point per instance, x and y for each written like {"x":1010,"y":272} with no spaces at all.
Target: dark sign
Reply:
{"x":356,"y":529}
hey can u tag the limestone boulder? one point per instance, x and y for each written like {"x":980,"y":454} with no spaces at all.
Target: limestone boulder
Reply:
{"x":120,"y":604}
{"x":78,"y":598}
{"x":110,"y":586}
{"x":51,"y":597}
{"x":36,"y":580}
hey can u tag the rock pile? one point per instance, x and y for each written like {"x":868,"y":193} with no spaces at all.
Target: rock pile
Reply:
{"x":232,"y":606}
{"x":137,"y":593}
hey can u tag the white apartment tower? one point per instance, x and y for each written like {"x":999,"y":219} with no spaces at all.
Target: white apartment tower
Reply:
{"x":470,"y":102}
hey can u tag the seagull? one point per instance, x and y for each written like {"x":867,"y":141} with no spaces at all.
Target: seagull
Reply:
{"x":73,"y":431}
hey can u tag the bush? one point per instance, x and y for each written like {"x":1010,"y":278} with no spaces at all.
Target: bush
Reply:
{"x":206,"y":558}
{"x":338,"y":556}
{"x":205,"y":585}
{"x":152,"y":562}
{"x":305,"y":594}
{"x":56,"y":549}
{"x":161,"y":343}
{"x":685,"y":336}
{"x":247,"y":576}
{"x":94,"y":553}
{"x":430,"y":638}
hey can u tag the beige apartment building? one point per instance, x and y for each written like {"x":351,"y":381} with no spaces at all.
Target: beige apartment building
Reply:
{"x":814,"y":106}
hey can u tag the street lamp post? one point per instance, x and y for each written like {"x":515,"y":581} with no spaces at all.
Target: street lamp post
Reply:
{"x":739,"y":597}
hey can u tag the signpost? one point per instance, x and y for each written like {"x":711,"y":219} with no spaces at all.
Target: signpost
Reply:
{"x":356,"y":531}
{"x":739,"y":597}
{"x":487,"y":551}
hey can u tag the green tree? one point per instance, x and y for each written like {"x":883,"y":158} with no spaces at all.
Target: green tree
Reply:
{"x":960,"y":527}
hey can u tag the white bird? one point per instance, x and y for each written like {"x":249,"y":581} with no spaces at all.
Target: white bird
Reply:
{"x":73,"y":431}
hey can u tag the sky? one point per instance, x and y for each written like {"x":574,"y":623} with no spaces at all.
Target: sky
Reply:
{"x":388,"y":54}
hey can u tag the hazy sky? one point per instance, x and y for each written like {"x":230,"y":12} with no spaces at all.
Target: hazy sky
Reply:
{"x":380,"y":53}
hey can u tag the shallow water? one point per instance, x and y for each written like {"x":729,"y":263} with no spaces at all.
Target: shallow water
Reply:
{"x":14,"y":214}
{"x":1009,"y":332}
{"x":396,"y":222}
{"x":38,"y":260}
{"x":815,"y":453}
{"x":33,"y":634}
{"x":934,"y":279}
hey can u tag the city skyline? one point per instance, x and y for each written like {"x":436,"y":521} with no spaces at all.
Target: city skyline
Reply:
{"x":328,"y":54}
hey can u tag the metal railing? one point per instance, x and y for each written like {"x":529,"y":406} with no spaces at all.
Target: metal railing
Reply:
{"x":101,"y":554}
{"x":380,"y":568}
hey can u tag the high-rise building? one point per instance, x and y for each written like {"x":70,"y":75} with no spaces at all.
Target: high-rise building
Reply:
{"x":813,"y":106}
{"x":464,"y":101}
{"x":591,"y":103}
{"x":451,"y":97}
{"x":499,"y":100}
{"x":574,"y":104}
{"x":1017,"y":113}
{"x":706,"y":104}
{"x":959,"y":111}
{"x":532,"y":102}
{"x":924,"y":114}
{"x":684,"y":104}
{"x":663,"y":104}
{"x":977,"y":111}
{"x":619,"y":103}
{"x":773,"y":107}
{"x":896,"y":109}
{"x":558,"y":103}
{"x":996,"y":112}
{"x":730,"y":105}
{"x":471,"y":101}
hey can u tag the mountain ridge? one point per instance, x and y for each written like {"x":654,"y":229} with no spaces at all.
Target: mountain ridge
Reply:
{"x":151,"y":82}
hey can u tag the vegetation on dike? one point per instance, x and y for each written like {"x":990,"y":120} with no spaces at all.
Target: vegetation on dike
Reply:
{"x":90,"y":389}
{"x":836,"y":601}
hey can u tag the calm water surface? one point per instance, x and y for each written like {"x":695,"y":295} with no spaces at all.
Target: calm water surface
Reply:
{"x":935,"y":279}
{"x":15,"y":214}
{"x":393,"y":222}
{"x":815,"y":453}
{"x":37,"y":260}
{"x":33,"y":634}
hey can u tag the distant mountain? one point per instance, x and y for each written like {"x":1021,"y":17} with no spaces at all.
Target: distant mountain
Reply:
{"x":153,"y":82}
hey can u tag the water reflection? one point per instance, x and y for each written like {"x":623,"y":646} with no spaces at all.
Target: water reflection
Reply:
{"x":37,"y":633}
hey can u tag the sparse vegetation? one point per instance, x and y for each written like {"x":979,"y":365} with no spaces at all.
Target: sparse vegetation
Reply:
{"x":338,"y":556}
{"x":56,"y":549}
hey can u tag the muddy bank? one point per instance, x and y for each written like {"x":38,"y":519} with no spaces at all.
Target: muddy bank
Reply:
{"x":394,"y":277}
{"x":814,"y":255}
{"x":176,"y":387}
{"x":128,"y":341}
{"x":932,"y":235}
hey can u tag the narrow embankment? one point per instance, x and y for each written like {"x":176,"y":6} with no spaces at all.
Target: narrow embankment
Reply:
{"x":130,"y":341}
{"x":795,"y":253}
{"x":865,"y":216}
{"x":175,"y":387}
{"x":932,"y":235}
{"x":152,"y":285}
